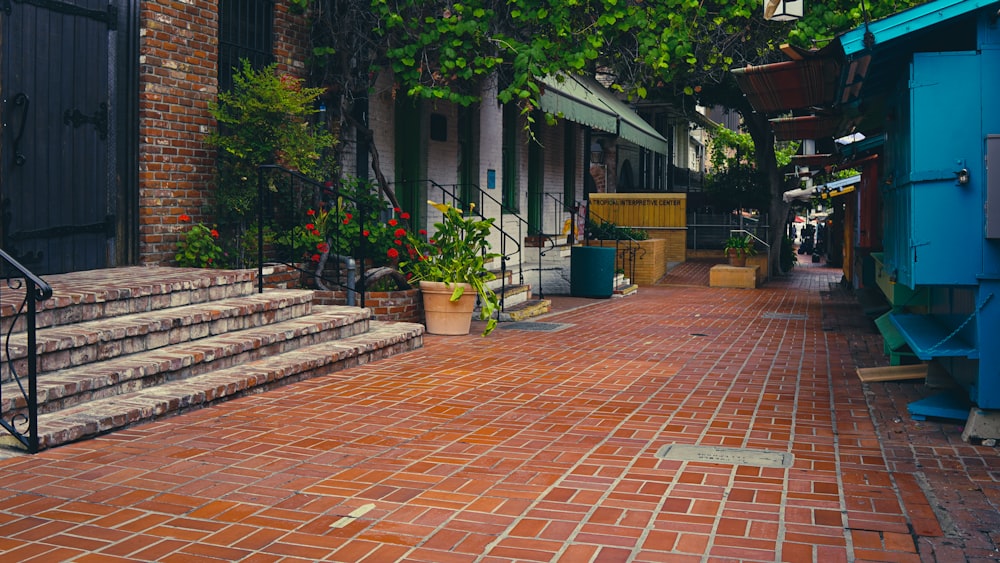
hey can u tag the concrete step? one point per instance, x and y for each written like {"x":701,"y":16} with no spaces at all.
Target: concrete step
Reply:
{"x":525,"y":310}
{"x":77,"y":344}
{"x":515,"y":294}
{"x":105,"y":415}
{"x":625,"y":289}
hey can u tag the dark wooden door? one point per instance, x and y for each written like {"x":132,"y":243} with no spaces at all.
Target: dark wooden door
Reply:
{"x":58,"y":170}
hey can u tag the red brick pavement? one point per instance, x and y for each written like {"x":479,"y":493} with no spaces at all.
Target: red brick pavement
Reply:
{"x":540,"y":446}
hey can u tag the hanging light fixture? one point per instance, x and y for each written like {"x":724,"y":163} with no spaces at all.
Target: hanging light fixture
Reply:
{"x":783,"y":10}
{"x":597,"y":152}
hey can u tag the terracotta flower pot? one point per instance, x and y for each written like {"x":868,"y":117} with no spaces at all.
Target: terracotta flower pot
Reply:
{"x":737,"y":258}
{"x":443,"y":316}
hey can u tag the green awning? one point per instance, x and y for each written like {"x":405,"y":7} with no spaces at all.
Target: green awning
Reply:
{"x":583,"y":100}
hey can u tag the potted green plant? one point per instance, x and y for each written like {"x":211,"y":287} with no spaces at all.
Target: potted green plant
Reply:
{"x":451,"y":268}
{"x":738,"y":248}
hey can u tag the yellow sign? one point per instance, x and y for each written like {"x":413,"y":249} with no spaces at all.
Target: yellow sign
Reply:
{"x":640,"y":210}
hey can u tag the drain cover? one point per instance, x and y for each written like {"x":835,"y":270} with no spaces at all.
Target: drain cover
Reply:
{"x":728,"y":456}
{"x":785,"y":316}
{"x":534,"y":326}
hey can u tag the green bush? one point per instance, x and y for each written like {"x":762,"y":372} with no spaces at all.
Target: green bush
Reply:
{"x":609,"y":231}
{"x":266,"y":118}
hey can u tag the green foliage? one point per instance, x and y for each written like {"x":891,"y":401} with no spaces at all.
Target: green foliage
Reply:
{"x":352,"y":225}
{"x":198,"y":247}
{"x":444,"y":50}
{"x":735,"y":182}
{"x":362,"y":224}
{"x":264,"y":119}
{"x":456,"y":253}
{"x":742,"y":245}
{"x":305,"y":241}
{"x":609,"y":231}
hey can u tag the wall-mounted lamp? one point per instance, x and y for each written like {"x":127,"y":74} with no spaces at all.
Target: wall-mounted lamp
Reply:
{"x":597,"y":153}
{"x":962,"y":176}
{"x":783,"y":10}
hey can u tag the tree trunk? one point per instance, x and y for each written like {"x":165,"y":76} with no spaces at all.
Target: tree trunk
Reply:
{"x":367,"y":137}
{"x":763,"y":141}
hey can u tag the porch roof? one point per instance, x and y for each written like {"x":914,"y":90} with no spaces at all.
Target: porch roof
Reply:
{"x":583,"y":100}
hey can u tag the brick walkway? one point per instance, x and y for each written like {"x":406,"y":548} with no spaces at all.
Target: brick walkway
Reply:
{"x":542,"y":446}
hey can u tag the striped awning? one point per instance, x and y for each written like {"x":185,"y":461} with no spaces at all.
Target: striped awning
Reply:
{"x":583,"y":100}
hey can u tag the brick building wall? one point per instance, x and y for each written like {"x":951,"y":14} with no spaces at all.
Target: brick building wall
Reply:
{"x":178,"y":77}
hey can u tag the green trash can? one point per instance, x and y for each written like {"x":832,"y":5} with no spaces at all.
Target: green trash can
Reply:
{"x":591,"y":271}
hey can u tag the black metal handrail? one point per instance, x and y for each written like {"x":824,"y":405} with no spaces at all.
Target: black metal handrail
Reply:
{"x":506,"y":238}
{"x":450,"y":194}
{"x":278,"y":205}
{"x":35,"y":290}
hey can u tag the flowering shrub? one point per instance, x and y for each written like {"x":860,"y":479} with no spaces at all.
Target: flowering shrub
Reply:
{"x":199,"y":247}
{"x":306,"y":241}
{"x":387,"y":241}
{"x":341,"y":230}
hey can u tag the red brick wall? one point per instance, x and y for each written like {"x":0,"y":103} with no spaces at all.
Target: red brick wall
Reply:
{"x":178,"y":77}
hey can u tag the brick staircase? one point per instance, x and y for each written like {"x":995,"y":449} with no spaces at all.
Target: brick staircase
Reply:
{"x":122,"y":346}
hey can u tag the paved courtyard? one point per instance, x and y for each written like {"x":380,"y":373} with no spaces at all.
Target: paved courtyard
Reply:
{"x":684,"y":423}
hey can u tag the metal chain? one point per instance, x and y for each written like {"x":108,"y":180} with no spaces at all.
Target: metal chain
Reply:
{"x":961,"y":326}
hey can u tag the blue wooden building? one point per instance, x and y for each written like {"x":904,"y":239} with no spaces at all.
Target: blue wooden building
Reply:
{"x":927,"y":82}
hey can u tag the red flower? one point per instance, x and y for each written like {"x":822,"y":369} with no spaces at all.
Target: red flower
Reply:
{"x":310,"y":212}
{"x":348,"y":216}
{"x":347,"y":220}
{"x":396,"y":209}
{"x":184,"y":218}
{"x":423,"y":232}
{"x":315,"y":258}
{"x":400,"y":233}
{"x":366,"y":232}
{"x":315,"y":233}
{"x":398,"y":242}
{"x":393,"y":222}
{"x":392,"y":253}
{"x":310,"y":227}
{"x":404,"y":215}
{"x":215,"y":233}
{"x":323,"y":247}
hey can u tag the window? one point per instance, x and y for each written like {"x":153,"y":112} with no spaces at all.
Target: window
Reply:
{"x":245,"y":32}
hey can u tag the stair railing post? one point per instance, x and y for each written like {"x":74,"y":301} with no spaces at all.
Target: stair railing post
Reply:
{"x":35,"y":290}
{"x":32,"y":370}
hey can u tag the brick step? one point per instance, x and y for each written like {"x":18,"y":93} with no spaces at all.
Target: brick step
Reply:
{"x":121,"y":346}
{"x":105,"y":415}
{"x":69,"y":387}
{"x":96,"y":294}
{"x":61,"y":347}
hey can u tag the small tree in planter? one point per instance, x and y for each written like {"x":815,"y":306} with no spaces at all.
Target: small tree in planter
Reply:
{"x":264,"y":119}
